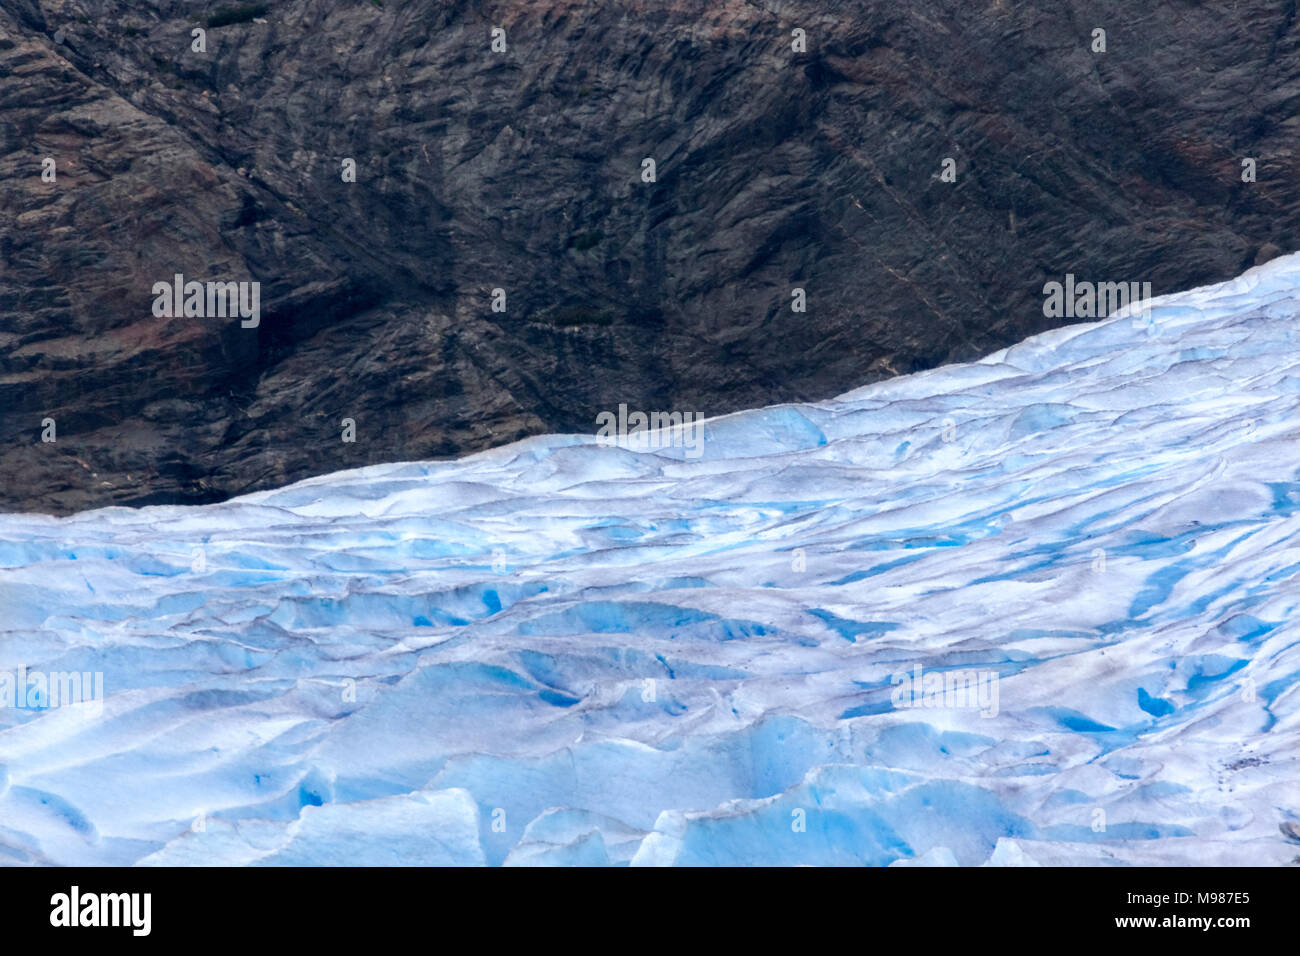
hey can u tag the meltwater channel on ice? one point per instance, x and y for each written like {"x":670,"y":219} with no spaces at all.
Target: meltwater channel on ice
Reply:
{"x":1041,"y":608}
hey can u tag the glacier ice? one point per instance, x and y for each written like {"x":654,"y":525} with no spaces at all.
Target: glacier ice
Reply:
{"x":559,"y":652}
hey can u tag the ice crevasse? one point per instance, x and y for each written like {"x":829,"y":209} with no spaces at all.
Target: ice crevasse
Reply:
{"x":557,"y":652}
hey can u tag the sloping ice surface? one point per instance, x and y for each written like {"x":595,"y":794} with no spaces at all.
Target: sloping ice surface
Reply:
{"x":557,"y":652}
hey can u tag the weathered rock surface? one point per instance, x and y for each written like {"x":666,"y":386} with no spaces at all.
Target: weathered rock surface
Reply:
{"x":522,"y":170}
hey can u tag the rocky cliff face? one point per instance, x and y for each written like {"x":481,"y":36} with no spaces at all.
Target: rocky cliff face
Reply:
{"x":522,"y":170}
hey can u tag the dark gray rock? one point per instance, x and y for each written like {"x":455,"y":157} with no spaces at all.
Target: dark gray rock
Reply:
{"x":521,"y":170}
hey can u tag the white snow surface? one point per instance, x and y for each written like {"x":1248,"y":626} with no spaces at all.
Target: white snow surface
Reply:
{"x":556,"y":652}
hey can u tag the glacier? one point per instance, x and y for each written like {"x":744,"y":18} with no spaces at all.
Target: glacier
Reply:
{"x":562,"y":653}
